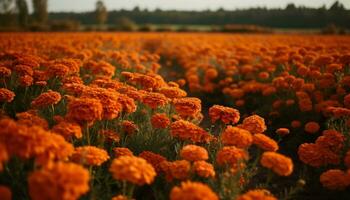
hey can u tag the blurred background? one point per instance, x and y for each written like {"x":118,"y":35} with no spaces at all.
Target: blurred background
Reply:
{"x":249,"y":16}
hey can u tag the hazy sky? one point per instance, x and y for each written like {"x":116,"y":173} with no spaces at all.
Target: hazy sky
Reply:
{"x":86,"y":5}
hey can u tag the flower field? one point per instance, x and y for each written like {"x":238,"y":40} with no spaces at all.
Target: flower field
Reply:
{"x":179,"y":116}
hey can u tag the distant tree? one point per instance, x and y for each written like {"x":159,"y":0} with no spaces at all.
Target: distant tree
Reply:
{"x":125,"y":24}
{"x":40,"y":11}
{"x":337,"y":6}
{"x":7,"y":12}
{"x":22,"y":9}
{"x":101,"y":12}
{"x":290,"y":6}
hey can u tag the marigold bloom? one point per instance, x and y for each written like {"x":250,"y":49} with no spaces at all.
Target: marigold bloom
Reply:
{"x":60,"y":181}
{"x":295,"y":124}
{"x":5,"y":72}
{"x":185,"y":130}
{"x":120,"y":197}
{"x":254,"y":124}
{"x":109,"y":135}
{"x":129,"y":127}
{"x":311,"y":127}
{"x":122,"y":151}
{"x":194,"y":153}
{"x":5,"y":193}
{"x":282,"y":131}
{"x":68,"y":130}
{"x":6,"y":95}
{"x":231,"y":156}
{"x":316,"y":156}
{"x":89,"y":155}
{"x":132,"y":169}
{"x":264,"y":142}
{"x":187,"y":106}
{"x":160,"y":120}
{"x":257,"y":194}
{"x":225,"y":114}
{"x":154,"y":159}
{"x":332,"y":140}
{"x":335,"y":179}
{"x":31,"y":118}
{"x":204,"y":169}
{"x":172,"y":92}
{"x":192,"y":191}
{"x":3,"y":156}
{"x":154,"y":100}
{"x":278,"y":163}
{"x":238,"y":137}
{"x":179,"y":169}
{"x":84,"y":110}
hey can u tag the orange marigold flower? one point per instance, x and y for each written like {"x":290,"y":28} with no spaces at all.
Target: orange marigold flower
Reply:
{"x":332,"y":140}
{"x":60,"y":181}
{"x":89,"y":155}
{"x":25,"y":81}
{"x":225,"y":114}
{"x":192,"y":191}
{"x":31,"y":118}
{"x":264,"y":142}
{"x":84,"y":110}
{"x":6,"y":95}
{"x":280,"y":164}
{"x":180,"y":169}
{"x":194,"y":153}
{"x":132,"y":169}
{"x":311,"y":127}
{"x":295,"y":124}
{"x":335,"y":179}
{"x":172,"y":92}
{"x":238,"y":137}
{"x":129,"y":127}
{"x":5,"y":72}
{"x":68,"y":130}
{"x":204,"y":169}
{"x":257,"y":194}
{"x":160,"y":120}
{"x":120,"y":197}
{"x":109,"y":135}
{"x":154,"y":100}
{"x":316,"y":156}
{"x":3,"y":156}
{"x":127,"y":103}
{"x":254,"y":124}
{"x":231,"y":156}
{"x":187,"y":106}
{"x":122,"y":151}
{"x":185,"y":130}
{"x":154,"y":159}
{"x":5,"y":193}
{"x":282,"y":131}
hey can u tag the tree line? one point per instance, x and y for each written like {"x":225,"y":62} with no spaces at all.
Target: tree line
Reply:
{"x":16,"y":12}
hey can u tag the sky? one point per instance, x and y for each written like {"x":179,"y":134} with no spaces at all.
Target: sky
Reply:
{"x":88,"y":5}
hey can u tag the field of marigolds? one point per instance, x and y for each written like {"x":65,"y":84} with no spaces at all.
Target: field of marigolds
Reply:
{"x":179,"y":116}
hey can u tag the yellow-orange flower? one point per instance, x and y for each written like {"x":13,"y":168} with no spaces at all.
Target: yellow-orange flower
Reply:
{"x":60,"y":181}
{"x":204,"y":169}
{"x":194,"y":153}
{"x":132,"y":169}
{"x":335,"y":179}
{"x":187,"y":106}
{"x":84,"y":110}
{"x":192,"y":191}
{"x":225,"y":114}
{"x":264,"y":142}
{"x":89,"y":155}
{"x":257,"y":194}
{"x":238,"y":137}
{"x":278,"y":163}
{"x":231,"y":155}
{"x":254,"y":124}
{"x":186,"y":130}
{"x":46,"y":99}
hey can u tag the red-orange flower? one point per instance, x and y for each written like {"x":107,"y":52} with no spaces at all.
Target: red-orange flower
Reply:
{"x":238,"y":137}
{"x":278,"y":163}
{"x":225,"y":114}
{"x":194,"y":153}
{"x":192,"y":191}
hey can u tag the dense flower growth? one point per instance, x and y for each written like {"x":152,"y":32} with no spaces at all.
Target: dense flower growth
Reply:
{"x":173,"y":116}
